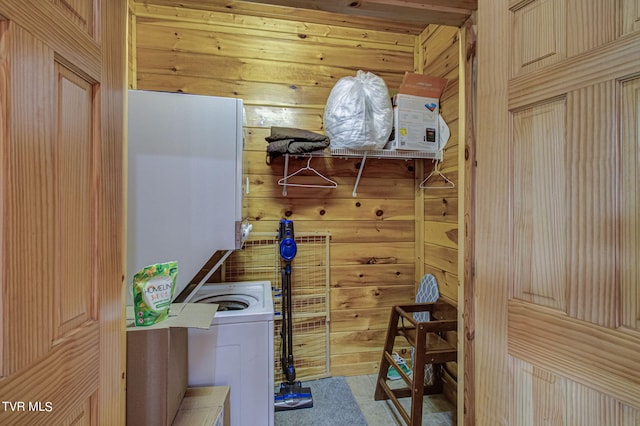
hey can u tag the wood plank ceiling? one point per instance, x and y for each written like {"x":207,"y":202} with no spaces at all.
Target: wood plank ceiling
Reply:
{"x":409,"y":16}
{"x":422,"y":12}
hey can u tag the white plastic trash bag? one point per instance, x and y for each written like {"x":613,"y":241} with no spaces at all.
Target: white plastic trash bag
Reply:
{"x":358,"y":114}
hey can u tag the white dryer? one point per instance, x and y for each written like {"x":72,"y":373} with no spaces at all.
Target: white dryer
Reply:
{"x":237,"y":350}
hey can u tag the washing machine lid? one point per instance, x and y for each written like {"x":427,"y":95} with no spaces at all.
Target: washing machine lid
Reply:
{"x":256,"y":294}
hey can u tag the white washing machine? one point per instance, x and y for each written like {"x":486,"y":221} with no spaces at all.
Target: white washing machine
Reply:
{"x":237,"y":350}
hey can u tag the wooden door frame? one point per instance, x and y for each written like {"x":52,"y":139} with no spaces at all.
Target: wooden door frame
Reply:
{"x":466,"y":200}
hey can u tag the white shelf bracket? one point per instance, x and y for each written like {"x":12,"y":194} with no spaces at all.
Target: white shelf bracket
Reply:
{"x":286,"y":173}
{"x":355,"y":187}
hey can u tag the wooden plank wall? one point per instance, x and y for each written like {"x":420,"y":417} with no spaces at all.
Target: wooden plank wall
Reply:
{"x":440,"y":57}
{"x":284,"y":71}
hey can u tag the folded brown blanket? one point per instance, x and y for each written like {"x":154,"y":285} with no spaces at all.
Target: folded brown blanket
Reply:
{"x":287,"y":140}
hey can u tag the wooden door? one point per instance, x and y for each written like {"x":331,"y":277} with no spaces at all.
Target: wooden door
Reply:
{"x":62,"y":68}
{"x":557,"y":233}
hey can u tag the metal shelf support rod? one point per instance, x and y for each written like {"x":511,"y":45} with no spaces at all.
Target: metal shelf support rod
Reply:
{"x":354,"y":194}
{"x":286,"y":173}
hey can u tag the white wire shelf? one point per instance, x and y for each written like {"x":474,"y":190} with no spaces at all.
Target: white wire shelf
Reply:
{"x":384,"y":153}
{"x":352,"y":153}
{"x":374,"y":153}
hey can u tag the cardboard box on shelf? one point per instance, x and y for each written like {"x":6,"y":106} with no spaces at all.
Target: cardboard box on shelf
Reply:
{"x":424,"y":86}
{"x":157,"y":363}
{"x":205,"y":406}
{"x":416,"y":113}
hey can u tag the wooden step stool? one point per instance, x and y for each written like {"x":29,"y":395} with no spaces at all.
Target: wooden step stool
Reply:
{"x":430,"y":347}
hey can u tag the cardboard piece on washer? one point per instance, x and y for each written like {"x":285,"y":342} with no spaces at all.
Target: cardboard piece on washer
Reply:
{"x":189,"y":315}
{"x":205,"y":406}
{"x":157,"y":363}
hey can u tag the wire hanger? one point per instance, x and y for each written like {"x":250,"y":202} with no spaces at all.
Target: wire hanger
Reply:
{"x":435,"y":173}
{"x":329,"y":183}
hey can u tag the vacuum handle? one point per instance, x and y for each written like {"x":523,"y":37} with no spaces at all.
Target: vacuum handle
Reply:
{"x":283,"y":325}
{"x":290,"y":372}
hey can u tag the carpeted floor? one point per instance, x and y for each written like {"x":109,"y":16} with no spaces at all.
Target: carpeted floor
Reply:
{"x":333,"y":405}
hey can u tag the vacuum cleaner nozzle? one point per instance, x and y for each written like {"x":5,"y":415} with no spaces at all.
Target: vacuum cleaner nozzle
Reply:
{"x":292,"y":397}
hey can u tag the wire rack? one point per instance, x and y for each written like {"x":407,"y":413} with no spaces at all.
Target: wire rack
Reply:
{"x":260,"y":260}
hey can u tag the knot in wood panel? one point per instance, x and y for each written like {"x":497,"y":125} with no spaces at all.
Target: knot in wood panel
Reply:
{"x":381,"y":260}
{"x":470,"y":334}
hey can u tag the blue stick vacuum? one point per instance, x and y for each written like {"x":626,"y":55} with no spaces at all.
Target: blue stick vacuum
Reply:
{"x":291,"y":395}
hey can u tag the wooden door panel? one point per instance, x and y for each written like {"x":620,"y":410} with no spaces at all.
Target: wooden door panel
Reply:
{"x":630,"y":16}
{"x":612,"y":61}
{"x":590,"y":23}
{"x":80,"y":12}
{"x":592,"y":220}
{"x":538,"y":396}
{"x":539,"y":204}
{"x":47,"y":22}
{"x":28,"y":244}
{"x":595,"y":356}
{"x":630,"y":416}
{"x":559,"y":249}
{"x":75,"y":202}
{"x":588,"y":407}
{"x":65,"y":378}
{"x":83,"y":415}
{"x":530,"y":53}
{"x":630,"y":203}
{"x":542,"y":398}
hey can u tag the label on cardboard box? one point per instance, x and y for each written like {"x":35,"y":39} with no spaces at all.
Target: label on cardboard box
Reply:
{"x":416,"y":123}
